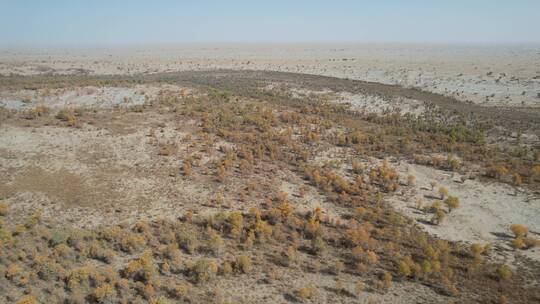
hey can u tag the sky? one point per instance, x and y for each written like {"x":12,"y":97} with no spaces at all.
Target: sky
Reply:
{"x":126,"y":22}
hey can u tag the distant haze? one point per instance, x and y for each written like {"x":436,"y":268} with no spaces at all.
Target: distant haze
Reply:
{"x":99,"y":22}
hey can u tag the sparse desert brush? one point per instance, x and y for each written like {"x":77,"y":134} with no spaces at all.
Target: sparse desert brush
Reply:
{"x":386,"y":278}
{"x":131,"y":243}
{"x":530,"y":242}
{"x":504,"y":273}
{"x":34,"y":219}
{"x":497,"y":171}
{"x":104,"y":294}
{"x":359,"y":288}
{"x":215,"y":242}
{"x":179,"y":290}
{"x":67,"y":115}
{"x":404,"y":269}
{"x":519,"y":230}
{"x":517,"y":179}
{"x":188,"y":240}
{"x":411,"y":180}
{"x":337,"y":267}
{"x":438,"y":217}
{"x":443,"y":192}
{"x":159,"y":300}
{"x":226,"y":268}
{"x":452,"y":202}
{"x":12,"y":271}
{"x":28,"y":299}
{"x":220,"y":174}
{"x":204,"y":270}
{"x":148,"y":291}
{"x":46,"y":268}
{"x":359,"y":237}
{"x":4,"y":209}
{"x":243,"y":264}
{"x":186,"y":168}
{"x":419,"y":203}
{"x":318,"y":245}
{"x":453,"y":163}
{"x":167,"y":149}
{"x":236,"y":222}
{"x":141,"y":269}
{"x":142,"y":226}
{"x":518,"y":243}
{"x":305,"y":293}
{"x":477,"y":250}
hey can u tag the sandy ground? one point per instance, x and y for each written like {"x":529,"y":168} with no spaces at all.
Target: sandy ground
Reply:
{"x":102,"y":97}
{"x":488,"y":75}
{"x":485,"y":213}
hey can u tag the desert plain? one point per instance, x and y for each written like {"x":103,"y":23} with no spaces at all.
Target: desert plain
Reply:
{"x":272,"y":173}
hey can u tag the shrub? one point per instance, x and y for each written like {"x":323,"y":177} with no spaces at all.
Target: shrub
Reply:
{"x":67,"y":115}
{"x":4,"y":209}
{"x":215,"y":242}
{"x":167,"y":149}
{"x":519,"y":230}
{"x":443,"y":192}
{"x":186,"y":168}
{"x":477,"y":250}
{"x":188,"y":241}
{"x":504,"y":273}
{"x":452,"y":202}
{"x":243,"y":263}
{"x":179,"y":290}
{"x":12,"y":271}
{"x":104,"y":294}
{"x":530,"y":242}
{"x":317,"y":245}
{"x":227,"y":268}
{"x":411,"y":180}
{"x":518,"y":243}
{"x":305,"y":292}
{"x":148,"y":291}
{"x":404,"y":269}
{"x":438,"y":217}
{"x":236,"y":221}
{"x":419,"y":203}
{"x":359,"y":288}
{"x":34,"y":113}
{"x":517,"y":179}
{"x":220,"y":174}
{"x":131,"y":243}
{"x":338,"y":267}
{"x":159,"y":300}
{"x":28,"y":299}
{"x":142,"y":268}
{"x":387,"y":279}
{"x":204,"y":270}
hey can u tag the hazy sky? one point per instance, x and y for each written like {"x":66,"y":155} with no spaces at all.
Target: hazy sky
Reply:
{"x":100,"y":22}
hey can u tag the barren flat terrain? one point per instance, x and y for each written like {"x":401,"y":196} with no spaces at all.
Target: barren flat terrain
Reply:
{"x":275,"y":174}
{"x":483,"y":74}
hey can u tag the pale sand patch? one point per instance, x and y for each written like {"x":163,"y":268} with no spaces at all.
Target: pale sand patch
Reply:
{"x":485,"y":213}
{"x":85,"y":97}
{"x":380,"y":105}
